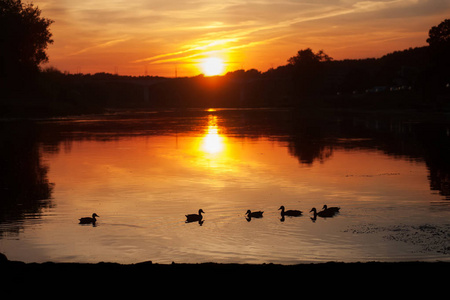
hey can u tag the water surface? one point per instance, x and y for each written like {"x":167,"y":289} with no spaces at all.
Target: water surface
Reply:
{"x":141,"y":172}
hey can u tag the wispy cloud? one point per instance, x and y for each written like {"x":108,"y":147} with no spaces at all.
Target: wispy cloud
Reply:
{"x":188,"y":52}
{"x":99,"y":46}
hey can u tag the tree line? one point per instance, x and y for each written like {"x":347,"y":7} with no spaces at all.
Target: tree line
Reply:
{"x":413,"y":77}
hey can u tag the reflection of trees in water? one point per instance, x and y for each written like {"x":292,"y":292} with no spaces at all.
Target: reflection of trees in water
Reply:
{"x":418,"y":139}
{"x":24,"y":185}
{"x":411,"y":137}
{"x":307,"y":153}
{"x":313,"y":136}
{"x":437,"y":141}
{"x":309,"y":138}
{"x":310,"y":135}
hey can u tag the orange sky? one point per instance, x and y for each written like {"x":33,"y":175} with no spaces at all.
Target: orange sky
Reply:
{"x":157,"y":37}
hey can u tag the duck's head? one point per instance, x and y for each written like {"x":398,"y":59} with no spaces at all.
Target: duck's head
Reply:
{"x":95,"y":215}
{"x":200,"y":211}
{"x":281,"y":207}
{"x":313,"y":209}
{"x":248,"y":212}
{"x":325,"y":207}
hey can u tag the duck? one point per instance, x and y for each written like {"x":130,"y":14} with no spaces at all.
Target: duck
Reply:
{"x":322,"y":213}
{"x":195,"y":217}
{"x":292,"y":213}
{"x":333,"y":209}
{"x":89,"y":220}
{"x":255,"y":214}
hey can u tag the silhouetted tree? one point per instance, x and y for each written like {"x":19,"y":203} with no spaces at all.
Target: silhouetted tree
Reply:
{"x":439,"y":36}
{"x":308,"y":57}
{"x":439,"y":41}
{"x":307,"y":71}
{"x":434,"y":79}
{"x":24,"y":37}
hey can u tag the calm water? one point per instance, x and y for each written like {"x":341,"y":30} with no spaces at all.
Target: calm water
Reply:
{"x":141,"y":172}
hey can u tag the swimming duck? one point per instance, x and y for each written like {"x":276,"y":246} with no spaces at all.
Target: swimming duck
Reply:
{"x":195,"y":217}
{"x":322,"y":213}
{"x":292,"y":213}
{"x":333,"y":209}
{"x":89,"y":220}
{"x":255,"y":214}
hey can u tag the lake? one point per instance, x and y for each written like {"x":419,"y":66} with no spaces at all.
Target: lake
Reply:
{"x":143,"y":171}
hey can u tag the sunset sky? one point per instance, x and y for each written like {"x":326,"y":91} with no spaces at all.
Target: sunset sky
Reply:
{"x":161,"y":37}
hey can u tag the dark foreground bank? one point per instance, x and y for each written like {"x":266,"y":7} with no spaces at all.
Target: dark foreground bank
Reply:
{"x":212,"y":280}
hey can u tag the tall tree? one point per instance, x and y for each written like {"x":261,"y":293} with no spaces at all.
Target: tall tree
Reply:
{"x":24,"y":37}
{"x":439,"y":41}
{"x":439,"y":35}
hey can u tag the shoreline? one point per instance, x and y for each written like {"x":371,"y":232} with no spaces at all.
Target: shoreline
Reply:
{"x":233,"y":278}
{"x":213,"y":266}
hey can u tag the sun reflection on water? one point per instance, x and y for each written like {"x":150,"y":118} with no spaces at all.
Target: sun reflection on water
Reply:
{"x":213,"y":142}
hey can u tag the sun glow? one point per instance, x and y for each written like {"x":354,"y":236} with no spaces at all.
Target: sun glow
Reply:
{"x":213,"y":66}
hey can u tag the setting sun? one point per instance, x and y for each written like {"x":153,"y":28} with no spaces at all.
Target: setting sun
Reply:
{"x":213,"y":66}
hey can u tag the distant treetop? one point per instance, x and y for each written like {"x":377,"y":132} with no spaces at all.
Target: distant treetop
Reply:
{"x":307,"y":56}
{"x":439,"y":35}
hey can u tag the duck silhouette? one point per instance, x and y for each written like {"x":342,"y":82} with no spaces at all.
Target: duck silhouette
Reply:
{"x":89,"y":220}
{"x":292,"y":213}
{"x":322,"y":213}
{"x":333,"y":209}
{"x":195,"y":217}
{"x":255,"y":214}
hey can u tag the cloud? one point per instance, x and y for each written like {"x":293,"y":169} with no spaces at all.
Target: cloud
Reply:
{"x":100,"y":45}
{"x":160,"y":31}
{"x":190,"y":51}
